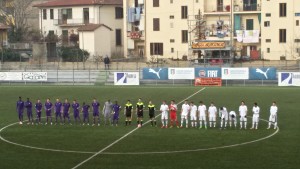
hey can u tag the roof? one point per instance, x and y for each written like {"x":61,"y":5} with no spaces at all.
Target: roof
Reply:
{"x":62,"y":3}
{"x":2,"y":26}
{"x":92,"y":27}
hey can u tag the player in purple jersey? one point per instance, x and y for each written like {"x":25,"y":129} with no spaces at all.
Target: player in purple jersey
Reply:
{"x":20,"y":109}
{"x":66,"y":109}
{"x":28,"y":106}
{"x":115,"y":117}
{"x":48,"y":108}
{"x":95,"y":107}
{"x":58,"y":110}
{"x":76,"y":107}
{"x":85,"y":111}
{"x":38,"y":109}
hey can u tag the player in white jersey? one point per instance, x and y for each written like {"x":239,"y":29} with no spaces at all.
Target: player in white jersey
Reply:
{"x":193,"y":114}
{"x":223,"y":116}
{"x":185,"y":108}
{"x":255,"y":118}
{"x":164,"y":108}
{"x":202,"y":115}
{"x":232,"y":118}
{"x":273,"y":116}
{"x":243,"y":115}
{"x":212,"y":112}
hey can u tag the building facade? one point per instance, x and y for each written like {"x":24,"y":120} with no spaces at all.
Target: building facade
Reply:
{"x":64,"y":18}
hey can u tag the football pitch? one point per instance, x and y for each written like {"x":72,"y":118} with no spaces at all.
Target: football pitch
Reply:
{"x":110,"y":147}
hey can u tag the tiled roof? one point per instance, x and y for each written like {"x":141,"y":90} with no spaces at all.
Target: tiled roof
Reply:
{"x":61,"y":3}
{"x":2,"y":26}
{"x":92,"y":27}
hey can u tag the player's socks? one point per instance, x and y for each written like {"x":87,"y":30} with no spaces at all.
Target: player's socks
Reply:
{"x":151,"y":123}
{"x":241,"y":124}
{"x":166,"y":123}
{"x":129,"y":122}
{"x":181,"y":124}
{"x":155,"y":123}
{"x":141,"y":122}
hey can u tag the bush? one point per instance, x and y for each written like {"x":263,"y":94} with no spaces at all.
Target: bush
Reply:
{"x":10,"y":55}
{"x":73,"y":54}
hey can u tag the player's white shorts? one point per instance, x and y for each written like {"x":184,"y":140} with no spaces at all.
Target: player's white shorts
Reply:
{"x":255,"y":118}
{"x":202,"y":118}
{"x":212,"y":118}
{"x":273,"y":119}
{"x":193,"y":117}
{"x":243,"y":118}
{"x":224,"y":118}
{"x":232,"y":118}
{"x":164,"y":115}
{"x":184,"y":116}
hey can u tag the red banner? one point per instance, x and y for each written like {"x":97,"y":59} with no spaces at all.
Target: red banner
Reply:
{"x":208,"y":82}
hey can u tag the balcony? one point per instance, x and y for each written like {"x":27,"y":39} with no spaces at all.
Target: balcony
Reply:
{"x":73,"y":22}
{"x":217,"y":10}
{"x":247,"y":8}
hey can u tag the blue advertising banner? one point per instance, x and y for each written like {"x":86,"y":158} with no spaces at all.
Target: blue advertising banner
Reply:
{"x":264,"y":73}
{"x":209,"y":72}
{"x":155,"y":73}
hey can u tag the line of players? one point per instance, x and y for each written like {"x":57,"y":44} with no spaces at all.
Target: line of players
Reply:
{"x":111,"y":113}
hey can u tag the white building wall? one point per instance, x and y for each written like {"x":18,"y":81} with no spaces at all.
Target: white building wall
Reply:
{"x":87,"y":42}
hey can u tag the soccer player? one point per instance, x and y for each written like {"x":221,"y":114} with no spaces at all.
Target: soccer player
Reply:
{"x":273,"y":116}
{"x":107,"y":110}
{"x":202,"y":115}
{"x":173,"y":113}
{"x":28,"y":106}
{"x":164,"y":108}
{"x":76,"y":114}
{"x":212,"y":110}
{"x":95,"y":107}
{"x":38,"y":109}
{"x":66,"y":110}
{"x":85,"y":112}
{"x":128,"y":113}
{"x":151,"y":108}
{"x":255,"y":118}
{"x":48,"y":108}
{"x":224,"y":117}
{"x":58,"y":110}
{"x":140,"y":111}
{"x":193,"y":114}
{"x":20,"y":109}
{"x":243,"y":115}
{"x":232,"y":118}
{"x":185,"y":108}
{"x":116,"y":111}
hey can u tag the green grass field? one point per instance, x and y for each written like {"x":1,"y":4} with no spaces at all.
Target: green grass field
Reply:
{"x":151,"y":147}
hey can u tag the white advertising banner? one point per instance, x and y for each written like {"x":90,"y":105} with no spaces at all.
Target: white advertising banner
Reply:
{"x":181,"y":73}
{"x":35,"y":76}
{"x":235,"y":73}
{"x":11,"y":76}
{"x":23,"y":76}
{"x":126,"y":78}
{"x":288,"y":78}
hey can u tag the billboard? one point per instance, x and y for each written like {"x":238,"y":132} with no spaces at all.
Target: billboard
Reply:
{"x":23,"y":76}
{"x":289,"y":79}
{"x":210,"y":72}
{"x":208,"y":82}
{"x":155,"y":73}
{"x":126,"y":78}
{"x":264,"y":73}
{"x":181,"y":73}
{"x":235,"y":73}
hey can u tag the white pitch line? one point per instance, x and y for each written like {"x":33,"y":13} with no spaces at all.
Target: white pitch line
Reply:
{"x":105,"y":148}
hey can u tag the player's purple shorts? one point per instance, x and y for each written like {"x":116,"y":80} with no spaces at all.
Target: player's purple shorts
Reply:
{"x":39,"y":114}
{"x":76,"y":114}
{"x":66,"y":114}
{"x":116,"y":116}
{"x":95,"y":113}
{"x":48,"y":112}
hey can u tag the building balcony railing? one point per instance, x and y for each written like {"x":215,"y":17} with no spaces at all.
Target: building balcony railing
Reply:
{"x":246,"y":7}
{"x":78,"y":21}
{"x":217,"y":9}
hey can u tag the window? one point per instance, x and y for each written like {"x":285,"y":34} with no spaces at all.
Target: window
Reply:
{"x":86,"y":15}
{"x":155,"y":3}
{"x":282,"y":35}
{"x":171,"y":1}
{"x":268,"y":50}
{"x":297,"y":22}
{"x":249,"y":24}
{"x":51,"y":14}
{"x":172,"y":50}
{"x":171,"y":25}
{"x":44,"y":14}
{"x":297,"y":40}
{"x":268,"y":14}
{"x":156,"y":24}
{"x":172,"y":40}
{"x":219,"y":5}
{"x":267,"y":23}
{"x":184,"y":36}
{"x":51,"y":32}
{"x":156,"y":49}
{"x":282,"y":9}
{"x":171,"y":16}
{"x":119,"y":12}
{"x":184,"y":12}
{"x":268,"y":40}
{"x":118,"y":37}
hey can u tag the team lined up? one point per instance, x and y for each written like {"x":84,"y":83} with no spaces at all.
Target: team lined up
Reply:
{"x":111,"y":113}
